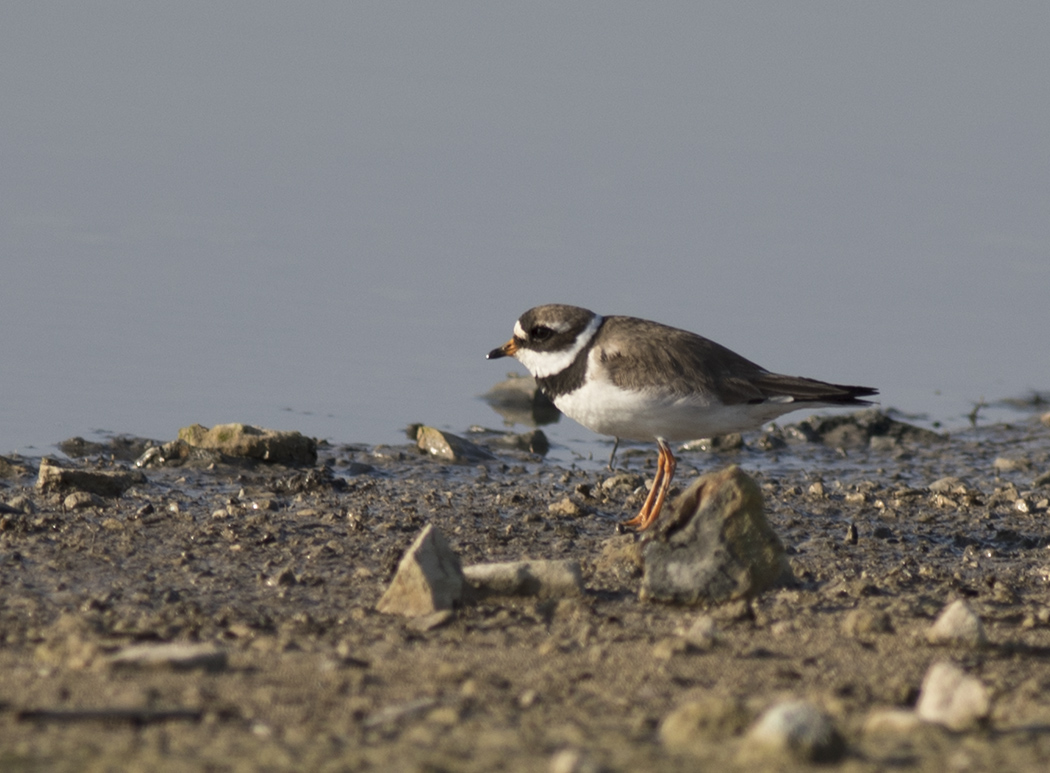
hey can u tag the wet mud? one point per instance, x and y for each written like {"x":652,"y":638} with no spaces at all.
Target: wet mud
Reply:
{"x":276,"y":571}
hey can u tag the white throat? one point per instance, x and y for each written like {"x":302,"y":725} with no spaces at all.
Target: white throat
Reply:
{"x":543,"y":364}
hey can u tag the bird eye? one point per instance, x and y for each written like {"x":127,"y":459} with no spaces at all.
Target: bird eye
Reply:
{"x":540,"y":333}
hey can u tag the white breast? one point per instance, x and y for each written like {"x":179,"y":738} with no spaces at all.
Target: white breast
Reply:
{"x":609,"y":410}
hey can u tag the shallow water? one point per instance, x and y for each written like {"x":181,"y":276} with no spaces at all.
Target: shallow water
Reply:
{"x":322,"y":221}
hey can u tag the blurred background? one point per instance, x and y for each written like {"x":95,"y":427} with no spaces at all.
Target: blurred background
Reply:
{"x":321,"y":216}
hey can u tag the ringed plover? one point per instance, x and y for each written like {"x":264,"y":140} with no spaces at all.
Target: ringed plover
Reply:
{"x":636,"y":379}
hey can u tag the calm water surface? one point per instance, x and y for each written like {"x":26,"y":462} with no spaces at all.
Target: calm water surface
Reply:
{"x":323,"y":218}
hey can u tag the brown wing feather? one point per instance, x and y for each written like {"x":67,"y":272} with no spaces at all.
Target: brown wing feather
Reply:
{"x":633,"y":351}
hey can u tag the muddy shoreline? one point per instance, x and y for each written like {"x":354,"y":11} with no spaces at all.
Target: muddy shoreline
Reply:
{"x":278,"y":569}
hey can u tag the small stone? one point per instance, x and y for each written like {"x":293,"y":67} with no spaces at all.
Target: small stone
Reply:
{"x":565,"y":507}
{"x":534,"y":442}
{"x":949,"y":485}
{"x":816,"y":489}
{"x":864,"y":622}
{"x":429,"y":578}
{"x":53,"y":478}
{"x":623,"y":480}
{"x":703,"y":633}
{"x":1010,"y":464}
{"x":267,"y":445}
{"x":22,"y":504}
{"x":540,"y":578}
{"x":952,"y":698}
{"x":1042,"y":480}
{"x":80,"y":500}
{"x":665,"y":649}
{"x":451,"y":448}
{"x":798,"y":728}
{"x":957,"y":625}
{"x":176,"y":656}
{"x":695,"y":724}
{"x":715,"y":545}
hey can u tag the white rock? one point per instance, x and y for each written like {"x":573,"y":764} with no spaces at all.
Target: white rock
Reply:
{"x":703,"y":633}
{"x":958,"y":625}
{"x":799,"y":728}
{"x":952,"y":698}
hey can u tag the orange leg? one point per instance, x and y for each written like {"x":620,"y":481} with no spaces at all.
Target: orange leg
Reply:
{"x":665,"y":467}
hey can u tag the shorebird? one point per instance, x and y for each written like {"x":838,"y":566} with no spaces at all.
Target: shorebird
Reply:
{"x":641,"y":380}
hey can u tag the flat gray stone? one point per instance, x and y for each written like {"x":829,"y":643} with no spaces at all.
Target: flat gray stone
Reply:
{"x":54,"y":478}
{"x":428,"y":579}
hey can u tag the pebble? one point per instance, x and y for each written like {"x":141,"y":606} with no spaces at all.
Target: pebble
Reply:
{"x":948,"y":485}
{"x":428,"y":579}
{"x":625,"y":480}
{"x":863,"y":622}
{"x":566,"y":507}
{"x":952,"y":698}
{"x":80,"y":500}
{"x":22,"y":504}
{"x":957,"y":625}
{"x":540,"y":578}
{"x":1010,"y":464}
{"x":798,"y":728}
{"x":694,"y":725}
{"x":451,"y":448}
{"x":702,"y":634}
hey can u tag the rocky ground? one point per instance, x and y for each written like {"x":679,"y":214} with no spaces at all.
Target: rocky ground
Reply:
{"x":267,"y":577}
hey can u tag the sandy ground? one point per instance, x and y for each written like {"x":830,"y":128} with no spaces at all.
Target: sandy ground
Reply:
{"x":280,"y":570}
